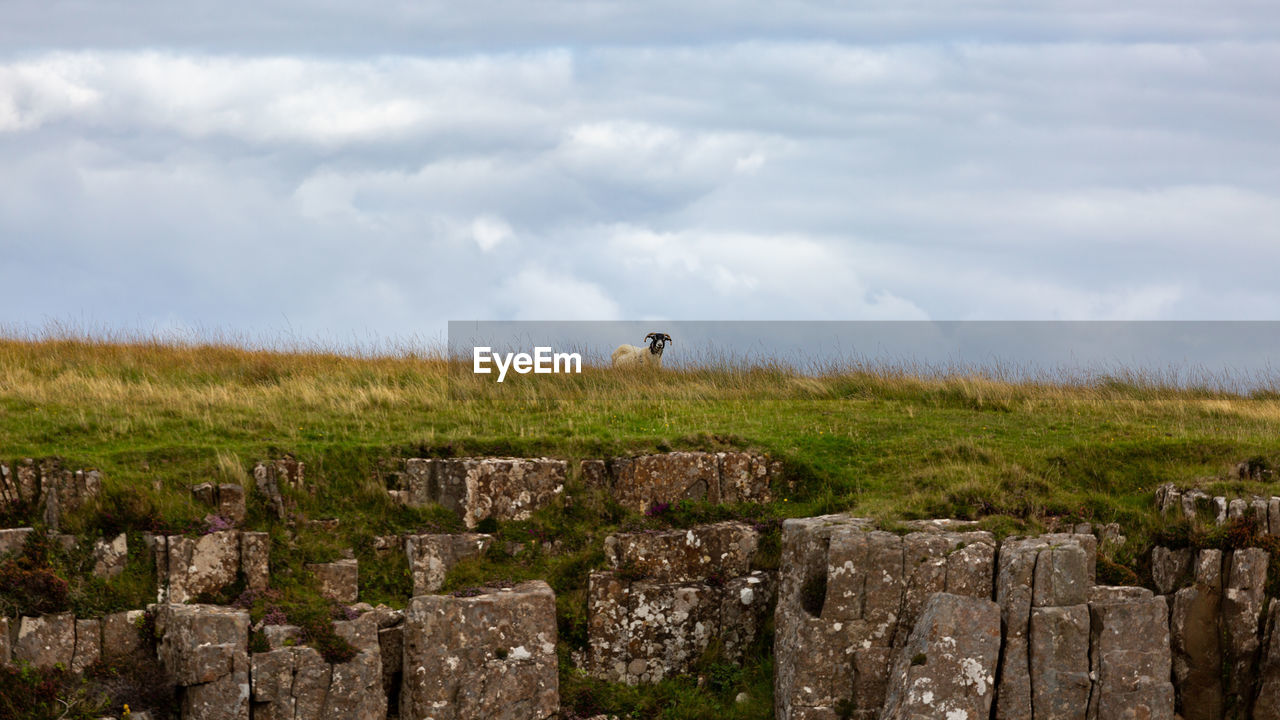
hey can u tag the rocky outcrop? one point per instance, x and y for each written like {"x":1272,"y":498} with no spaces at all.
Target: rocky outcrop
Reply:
{"x":188,"y":567}
{"x":12,"y":540}
{"x":49,"y":488}
{"x":849,"y":595}
{"x":1046,"y":578}
{"x":947,"y":666}
{"x":339,"y":580}
{"x":1196,"y":636}
{"x":110,"y":556}
{"x":480,"y":488}
{"x":487,"y":657}
{"x":204,"y":649}
{"x":46,"y":641}
{"x":669,"y":596}
{"x":639,"y":482}
{"x":295,"y":683}
{"x":432,"y":556}
{"x":269,"y":477}
{"x":226,"y":500}
{"x":1129,"y":653}
{"x":1170,"y":569}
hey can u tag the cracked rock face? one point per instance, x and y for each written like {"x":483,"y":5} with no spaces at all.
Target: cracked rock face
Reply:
{"x":488,"y":657}
{"x":671,"y":594}
{"x":1129,"y":653}
{"x":205,"y":649}
{"x":295,"y":683}
{"x":639,"y":482}
{"x":947,"y":666}
{"x":849,"y":596}
{"x":432,"y":556}
{"x":480,"y":488}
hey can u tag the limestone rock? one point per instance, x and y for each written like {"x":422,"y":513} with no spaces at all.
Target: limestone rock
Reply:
{"x":480,"y":488}
{"x":204,"y":649}
{"x":46,"y":641}
{"x":847,"y":595}
{"x":264,"y":478}
{"x":290,"y":684}
{"x":947,"y":667}
{"x":12,"y":540}
{"x":1170,"y":569}
{"x":1242,"y":603}
{"x":339,"y":580}
{"x":1058,"y":650}
{"x":88,"y":645}
{"x":489,"y":657}
{"x":121,"y":638}
{"x":109,"y":557}
{"x":201,"y":565}
{"x":1266,"y":705}
{"x":6,"y":652}
{"x":255,"y":559}
{"x":1044,"y":571}
{"x":639,"y":482}
{"x":1130,"y":655}
{"x":432,"y":556}
{"x":355,"y":687}
{"x":1061,"y":577}
{"x":671,"y":595}
{"x":1195,"y":630}
{"x":722,"y":549}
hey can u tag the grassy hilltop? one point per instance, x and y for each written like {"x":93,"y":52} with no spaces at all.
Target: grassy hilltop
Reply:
{"x":157,"y":418}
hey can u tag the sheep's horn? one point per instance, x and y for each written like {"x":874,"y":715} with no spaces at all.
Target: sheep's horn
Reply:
{"x":650,"y":335}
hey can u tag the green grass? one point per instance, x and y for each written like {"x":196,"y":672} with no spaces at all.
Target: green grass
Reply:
{"x":157,"y":418}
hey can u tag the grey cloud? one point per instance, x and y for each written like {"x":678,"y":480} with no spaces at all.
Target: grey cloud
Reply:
{"x":724,"y":172}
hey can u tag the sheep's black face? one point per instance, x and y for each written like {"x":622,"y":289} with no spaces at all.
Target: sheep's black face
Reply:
{"x":657,"y":341}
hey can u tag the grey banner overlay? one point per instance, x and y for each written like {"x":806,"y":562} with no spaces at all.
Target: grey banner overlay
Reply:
{"x":1236,"y":356}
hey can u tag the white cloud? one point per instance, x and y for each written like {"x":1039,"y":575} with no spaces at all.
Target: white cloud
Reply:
{"x":490,"y":232}
{"x":538,"y":294}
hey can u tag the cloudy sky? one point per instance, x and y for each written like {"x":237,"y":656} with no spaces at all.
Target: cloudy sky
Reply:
{"x":328,"y":169}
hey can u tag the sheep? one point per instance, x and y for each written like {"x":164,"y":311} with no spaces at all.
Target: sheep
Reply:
{"x":628,"y":355}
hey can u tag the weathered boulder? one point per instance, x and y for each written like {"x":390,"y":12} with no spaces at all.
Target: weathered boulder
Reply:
{"x":289,"y":684}
{"x":946,"y":669}
{"x":46,"y":641}
{"x":1243,"y":598}
{"x":1195,"y":636}
{"x":488,"y":657}
{"x":721,"y":549}
{"x":1170,"y":569}
{"x":1043,"y":571}
{"x":1129,"y":655}
{"x":639,"y":482}
{"x":339,"y":580}
{"x":295,"y":682}
{"x":255,"y":559}
{"x":204,"y":648}
{"x":845,"y":592}
{"x":12,"y":540}
{"x":480,"y":488}
{"x":200,"y":565}
{"x":48,"y":487}
{"x":6,"y":652}
{"x":432,"y":556}
{"x":670,"y":595}
{"x":1266,"y":705}
{"x":88,"y":645}
{"x":122,"y":640}
{"x":226,"y":499}
{"x":110,"y":556}
{"x":1058,"y":651}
